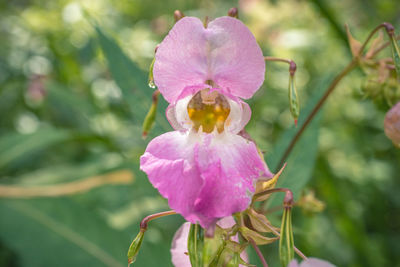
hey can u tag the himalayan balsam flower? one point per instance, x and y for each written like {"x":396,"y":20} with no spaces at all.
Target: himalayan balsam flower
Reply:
{"x":204,"y":168}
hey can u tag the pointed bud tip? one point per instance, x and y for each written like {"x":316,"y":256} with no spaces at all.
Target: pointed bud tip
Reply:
{"x":144,"y":135}
{"x":178,"y":15}
{"x":295,"y":122}
{"x":233,"y":12}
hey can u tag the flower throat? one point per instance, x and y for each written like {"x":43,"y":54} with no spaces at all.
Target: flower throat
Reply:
{"x":208,"y":110}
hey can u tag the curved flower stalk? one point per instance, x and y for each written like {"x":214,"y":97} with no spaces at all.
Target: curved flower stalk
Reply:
{"x":204,"y":168}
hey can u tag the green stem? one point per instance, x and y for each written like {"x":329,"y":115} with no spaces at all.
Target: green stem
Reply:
{"x":389,"y":28}
{"x":292,"y":64}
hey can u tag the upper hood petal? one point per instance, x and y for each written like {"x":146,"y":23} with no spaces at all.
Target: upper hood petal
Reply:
{"x":225,"y":52}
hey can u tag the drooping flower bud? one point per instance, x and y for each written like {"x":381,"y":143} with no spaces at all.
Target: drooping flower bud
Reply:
{"x":135,"y":247}
{"x":151,"y":115}
{"x":233,"y":12}
{"x":392,"y":124}
{"x":178,"y":15}
{"x":293,"y":97}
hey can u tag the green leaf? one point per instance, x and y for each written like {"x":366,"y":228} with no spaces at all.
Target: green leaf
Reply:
{"x":61,"y":232}
{"x":132,"y":81}
{"x":67,"y":107}
{"x":15,"y":146}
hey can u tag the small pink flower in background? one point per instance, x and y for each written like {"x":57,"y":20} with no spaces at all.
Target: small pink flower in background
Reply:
{"x":179,"y":248}
{"x":204,"y":168}
{"x":311,"y":262}
{"x":392,"y":124}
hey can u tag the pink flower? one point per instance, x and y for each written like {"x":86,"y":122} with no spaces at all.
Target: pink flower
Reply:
{"x":179,"y":248}
{"x":392,"y":124}
{"x":311,"y":262}
{"x":204,"y":168}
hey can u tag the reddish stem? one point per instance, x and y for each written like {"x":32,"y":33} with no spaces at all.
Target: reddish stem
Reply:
{"x":259,"y":253}
{"x":147,"y":219}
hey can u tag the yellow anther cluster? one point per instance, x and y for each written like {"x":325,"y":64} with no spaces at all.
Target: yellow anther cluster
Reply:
{"x":208,"y":114}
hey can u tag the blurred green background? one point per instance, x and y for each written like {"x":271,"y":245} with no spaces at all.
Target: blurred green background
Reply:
{"x":73,"y":95}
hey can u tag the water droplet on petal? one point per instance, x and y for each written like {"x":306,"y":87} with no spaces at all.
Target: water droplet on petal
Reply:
{"x":152,"y":84}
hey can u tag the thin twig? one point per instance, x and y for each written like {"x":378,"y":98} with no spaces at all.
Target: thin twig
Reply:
{"x":75,"y":187}
{"x":389,"y":29}
{"x":383,"y":46}
{"x":259,"y":253}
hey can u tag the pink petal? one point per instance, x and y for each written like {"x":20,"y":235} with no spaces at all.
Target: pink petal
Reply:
{"x":169,"y":164}
{"x":225,"y":52}
{"x":392,"y":124}
{"x":293,"y":263}
{"x":239,"y":116}
{"x":314,"y":262}
{"x":237,"y":60}
{"x":204,"y":177}
{"x":311,"y":262}
{"x":179,"y":247}
{"x":229,"y":168}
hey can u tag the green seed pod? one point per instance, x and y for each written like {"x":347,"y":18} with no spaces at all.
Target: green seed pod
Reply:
{"x":151,"y":115}
{"x":195,"y":245}
{"x":286,"y":242}
{"x":293,"y":99}
{"x":135,"y":247}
